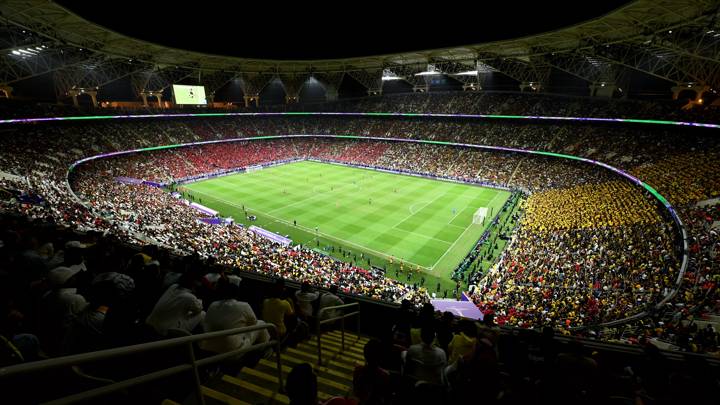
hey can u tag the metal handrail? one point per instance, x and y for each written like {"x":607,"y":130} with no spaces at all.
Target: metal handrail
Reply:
{"x":192,"y":365}
{"x":342,"y":324}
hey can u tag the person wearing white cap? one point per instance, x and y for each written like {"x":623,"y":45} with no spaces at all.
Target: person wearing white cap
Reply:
{"x":305,"y":298}
{"x":229,"y":313}
{"x":178,"y":307}
{"x":330,"y":299}
{"x":58,"y":308}
{"x":74,"y":244}
{"x":74,"y":256}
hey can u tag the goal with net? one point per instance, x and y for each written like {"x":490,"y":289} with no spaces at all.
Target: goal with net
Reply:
{"x":251,"y":169}
{"x":479,"y":216}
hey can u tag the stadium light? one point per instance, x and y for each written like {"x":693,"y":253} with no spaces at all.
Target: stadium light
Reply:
{"x":484,"y":68}
{"x":389,"y":75}
{"x":467,"y":73}
{"x":26,"y":52}
{"x":431,"y":70}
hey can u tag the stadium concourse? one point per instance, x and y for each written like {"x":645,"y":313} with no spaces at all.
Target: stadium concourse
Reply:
{"x":586,"y":247}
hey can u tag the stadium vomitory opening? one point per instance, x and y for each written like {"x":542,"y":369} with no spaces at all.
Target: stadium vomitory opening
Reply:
{"x":534,"y":217}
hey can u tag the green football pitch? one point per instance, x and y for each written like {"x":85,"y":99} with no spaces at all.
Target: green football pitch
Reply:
{"x":360,"y":215}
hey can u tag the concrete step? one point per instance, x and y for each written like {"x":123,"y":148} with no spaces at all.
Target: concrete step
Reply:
{"x":331,"y":339}
{"x":212,"y":396}
{"x":348,"y":335}
{"x":250,"y":391}
{"x":269,"y":367}
{"x":332,"y":349}
{"x":327,"y":382}
{"x":259,"y":385}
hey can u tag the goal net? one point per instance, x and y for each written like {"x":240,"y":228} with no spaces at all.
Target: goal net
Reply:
{"x":479,"y":216}
{"x":251,"y":169}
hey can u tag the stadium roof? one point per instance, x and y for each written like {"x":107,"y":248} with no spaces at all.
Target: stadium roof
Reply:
{"x":297,"y":31}
{"x":675,"y":40}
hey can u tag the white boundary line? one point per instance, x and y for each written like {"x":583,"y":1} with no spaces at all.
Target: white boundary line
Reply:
{"x":414,"y":204}
{"x":413,"y":213}
{"x":451,"y":246}
{"x":459,"y":237}
{"x":489,"y":203}
{"x":496,"y":196}
{"x":423,"y":236}
{"x":458,"y":213}
{"x":312,"y":231}
{"x":314,"y":195}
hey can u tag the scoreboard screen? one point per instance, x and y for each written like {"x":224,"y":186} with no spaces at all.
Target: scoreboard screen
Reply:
{"x":189,"y":94}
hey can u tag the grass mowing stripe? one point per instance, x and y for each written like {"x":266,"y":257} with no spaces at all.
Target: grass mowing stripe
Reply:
{"x":418,"y":211}
{"x":420,"y":235}
{"x":305,"y":228}
{"x":450,"y":248}
{"x":336,"y":199}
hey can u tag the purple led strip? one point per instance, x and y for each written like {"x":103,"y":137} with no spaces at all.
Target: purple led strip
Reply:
{"x":270,"y":235}
{"x":633,"y":179}
{"x":359,"y":114}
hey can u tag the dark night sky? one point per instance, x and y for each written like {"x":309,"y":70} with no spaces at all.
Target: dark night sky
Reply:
{"x":305,"y":30}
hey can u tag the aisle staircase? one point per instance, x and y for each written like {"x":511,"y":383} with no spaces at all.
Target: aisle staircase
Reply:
{"x":259,"y":385}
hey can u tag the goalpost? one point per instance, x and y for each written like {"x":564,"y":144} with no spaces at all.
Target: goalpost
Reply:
{"x":251,"y":169}
{"x":479,"y":216}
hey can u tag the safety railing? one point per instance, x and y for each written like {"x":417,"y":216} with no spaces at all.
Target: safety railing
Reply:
{"x":190,"y":366}
{"x":341,"y":318}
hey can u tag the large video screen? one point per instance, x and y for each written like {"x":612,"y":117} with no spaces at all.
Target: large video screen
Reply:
{"x":189,"y":94}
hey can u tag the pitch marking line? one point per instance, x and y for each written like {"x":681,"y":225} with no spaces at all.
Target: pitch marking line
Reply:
{"x":312,"y":231}
{"x":468,"y":206}
{"x":451,"y":247}
{"x":423,"y":207}
{"x":459,"y":237}
{"x":414,"y":204}
{"x":458,"y":213}
{"x":320,"y":193}
{"x":424,"y":236}
{"x":315,"y":195}
{"x":493,"y":199}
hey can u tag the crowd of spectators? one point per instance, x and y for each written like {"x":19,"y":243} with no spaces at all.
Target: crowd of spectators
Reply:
{"x":486,"y":102}
{"x":590,"y":249}
{"x":687,"y":322}
{"x":684,"y":178}
{"x":596,"y":204}
{"x":433,"y":357}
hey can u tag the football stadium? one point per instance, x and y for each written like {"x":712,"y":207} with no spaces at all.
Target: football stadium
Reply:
{"x":533,"y":217}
